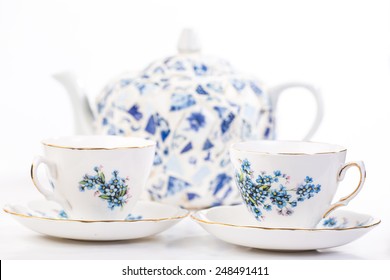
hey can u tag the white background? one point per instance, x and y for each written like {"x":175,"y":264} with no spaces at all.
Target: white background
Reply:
{"x":343,"y":47}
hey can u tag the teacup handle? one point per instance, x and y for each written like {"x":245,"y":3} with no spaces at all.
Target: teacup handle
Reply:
{"x":276,"y":91}
{"x":49,"y":195}
{"x":340,"y":176}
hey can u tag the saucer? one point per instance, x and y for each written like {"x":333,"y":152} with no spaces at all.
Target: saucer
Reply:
{"x":235,"y":225}
{"x":147,"y":218}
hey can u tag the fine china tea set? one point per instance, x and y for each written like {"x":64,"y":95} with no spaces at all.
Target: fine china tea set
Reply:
{"x":190,"y":132}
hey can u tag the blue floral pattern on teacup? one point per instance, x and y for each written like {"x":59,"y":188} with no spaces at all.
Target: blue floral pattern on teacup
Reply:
{"x":62,"y":214}
{"x":334,"y":222}
{"x":337,"y":222}
{"x":115,"y":191}
{"x":271,"y":191}
{"x":132,"y":217}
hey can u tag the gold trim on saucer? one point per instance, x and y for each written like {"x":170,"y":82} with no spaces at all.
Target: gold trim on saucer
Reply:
{"x":289,"y":229}
{"x":96,"y":221}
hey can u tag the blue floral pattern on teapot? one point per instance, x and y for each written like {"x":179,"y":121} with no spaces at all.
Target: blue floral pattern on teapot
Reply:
{"x":194,"y":110}
{"x":194,"y":107}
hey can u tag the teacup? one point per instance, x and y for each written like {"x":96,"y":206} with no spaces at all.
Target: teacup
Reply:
{"x":95,"y":177}
{"x":287,"y":184}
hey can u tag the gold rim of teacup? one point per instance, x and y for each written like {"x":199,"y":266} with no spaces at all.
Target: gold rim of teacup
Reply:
{"x":97,"y":221}
{"x":46,"y":142}
{"x":341,"y":148}
{"x":193,"y":216}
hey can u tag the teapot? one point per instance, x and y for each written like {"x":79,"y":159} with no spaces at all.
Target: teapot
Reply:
{"x":194,"y":107}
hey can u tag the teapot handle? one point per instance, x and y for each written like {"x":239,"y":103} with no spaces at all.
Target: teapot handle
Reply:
{"x":276,"y":91}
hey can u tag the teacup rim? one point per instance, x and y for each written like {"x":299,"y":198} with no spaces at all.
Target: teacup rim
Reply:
{"x":50,"y":142}
{"x":338,"y":148}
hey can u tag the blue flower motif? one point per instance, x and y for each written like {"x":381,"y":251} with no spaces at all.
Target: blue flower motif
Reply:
{"x":62,"y":214}
{"x":267,"y":207}
{"x":280,"y":202}
{"x":307,"y":191}
{"x":293,"y":204}
{"x":308,"y":179}
{"x":88,"y":183}
{"x":260,"y":194}
{"x":246,"y":166}
{"x":256,"y":211}
{"x":260,"y":180}
{"x":302,"y":191}
{"x":196,"y":120}
{"x":330,"y":222}
{"x":268,"y":180}
{"x":280,"y":197}
{"x":277,"y":173}
{"x":115,"y":191}
{"x":248,"y":182}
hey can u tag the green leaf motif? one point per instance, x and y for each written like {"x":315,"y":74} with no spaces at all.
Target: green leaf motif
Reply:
{"x":102,"y":177}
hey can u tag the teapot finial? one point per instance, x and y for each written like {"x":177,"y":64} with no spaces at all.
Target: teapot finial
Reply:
{"x":188,"y":41}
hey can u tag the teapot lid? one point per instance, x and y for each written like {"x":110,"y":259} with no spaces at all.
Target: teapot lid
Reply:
{"x":189,"y":63}
{"x":188,"y":42}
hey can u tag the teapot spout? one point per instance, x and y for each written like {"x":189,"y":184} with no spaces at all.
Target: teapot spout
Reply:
{"x":82,"y":112}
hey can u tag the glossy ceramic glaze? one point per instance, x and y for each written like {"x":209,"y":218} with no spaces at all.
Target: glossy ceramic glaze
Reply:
{"x":234,"y":224}
{"x":147,"y":219}
{"x":95,"y":177}
{"x":291,"y":184}
{"x":194,"y":107}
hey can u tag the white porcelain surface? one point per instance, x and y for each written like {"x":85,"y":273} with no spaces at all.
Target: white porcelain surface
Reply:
{"x":95,"y":177}
{"x":291,"y":183}
{"x":147,"y":219}
{"x":234,"y":224}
